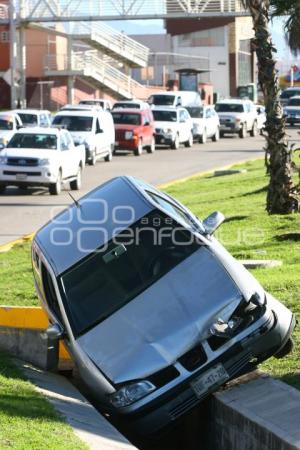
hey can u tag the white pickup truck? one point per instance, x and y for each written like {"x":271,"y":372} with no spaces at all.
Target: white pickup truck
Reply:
{"x":41,"y":157}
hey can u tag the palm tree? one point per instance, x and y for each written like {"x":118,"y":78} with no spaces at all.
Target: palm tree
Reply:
{"x":282,"y":196}
{"x":290,"y":8}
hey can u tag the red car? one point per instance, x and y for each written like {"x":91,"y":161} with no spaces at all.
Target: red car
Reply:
{"x":134,"y":130}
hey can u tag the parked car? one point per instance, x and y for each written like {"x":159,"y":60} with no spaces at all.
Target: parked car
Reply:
{"x":261,"y":117}
{"x":41,"y":157}
{"x":175,"y":98}
{"x":134,"y":104}
{"x":10,"y":122}
{"x":94,"y":128}
{"x":102,"y":102}
{"x":292,"y":110}
{"x":34,"y":117}
{"x":206,"y":123}
{"x":173,"y":126}
{"x":153,"y":309}
{"x":237,"y":116}
{"x":134,"y":129}
{"x":288,"y":93}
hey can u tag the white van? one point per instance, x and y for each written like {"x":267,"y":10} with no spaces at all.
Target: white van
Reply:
{"x":95,"y":129}
{"x":102,"y":102}
{"x":175,"y":98}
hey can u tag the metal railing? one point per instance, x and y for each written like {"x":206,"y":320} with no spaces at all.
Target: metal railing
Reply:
{"x":75,"y":10}
{"x":90,"y":65}
{"x":111,"y":39}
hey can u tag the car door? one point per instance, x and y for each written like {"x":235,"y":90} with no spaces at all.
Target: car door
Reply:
{"x":146,"y":128}
{"x":100,"y":135}
{"x":184,"y":129}
{"x":66,"y":163}
{"x":208,"y":121}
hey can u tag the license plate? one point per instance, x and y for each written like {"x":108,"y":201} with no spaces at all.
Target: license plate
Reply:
{"x":21,"y":176}
{"x":213,"y":377}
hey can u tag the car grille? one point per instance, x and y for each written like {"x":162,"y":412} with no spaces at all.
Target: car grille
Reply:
{"x":158,"y":130}
{"x":120,"y":134}
{"x":30,"y":174}
{"x":194,"y":358}
{"x":24,"y":162}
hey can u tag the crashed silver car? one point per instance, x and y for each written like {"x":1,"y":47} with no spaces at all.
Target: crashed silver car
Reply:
{"x":154,"y":311}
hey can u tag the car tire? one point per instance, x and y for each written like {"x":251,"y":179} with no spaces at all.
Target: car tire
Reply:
{"x":151,"y":147}
{"x":139,"y":150}
{"x":243,"y":131}
{"x":55,"y":188}
{"x":286,"y":349}
{"x":203,"y":137}
{"x":216,"y":136}
{"x":222,"y":134}
{"x":92,"y":159}
{"x":175,"y":144}
{"x":254,"y":130}
{"x":75,"y":185}
{"x":190,"y":141}
{"x":2,"y":188}
{"x":108,"y":157}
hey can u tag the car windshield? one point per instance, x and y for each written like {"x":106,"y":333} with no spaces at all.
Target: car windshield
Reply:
{"x":74,"y":123}
{"x":135,"y":259}
{"x":30,"y":140}
{"x":6,"y":123}
{"x":289,"y":94}
{"x":195,"y":112}
{"x":28,"y":119}
{"x":165,"y":116}
{"x":229,"y":107}
{"x":127,"y":105}
{"x":162,"y":99}
{"x":294,"y":102}
{"x":126,"y":118}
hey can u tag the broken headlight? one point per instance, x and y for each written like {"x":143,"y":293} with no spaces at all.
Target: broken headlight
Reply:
{"x":131,"y":393}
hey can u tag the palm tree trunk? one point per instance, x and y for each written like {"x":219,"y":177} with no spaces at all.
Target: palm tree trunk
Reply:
{"x":282,"y":197}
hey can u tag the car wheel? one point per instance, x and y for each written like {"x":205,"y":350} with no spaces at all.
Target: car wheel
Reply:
{"x":2,"y":188}
{"x":92,"y":160}
{"x":222,"y":134}
{"x":254,"y":130}
{"x":216,"y":136}
{"x":139,"y":150}
{"x":243,"y":131}
{"x":151,"y":148}
{"x":286,"y":349}
{"x":175,"y":143}
{"x":203,"y":138}
{"x":108,"y":157}
{"x":189,"y":142}
{"x":55,"y":188}
{"x":75,"y":185}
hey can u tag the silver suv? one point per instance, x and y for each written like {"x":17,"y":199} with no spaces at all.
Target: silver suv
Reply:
{"x":237,"y":117}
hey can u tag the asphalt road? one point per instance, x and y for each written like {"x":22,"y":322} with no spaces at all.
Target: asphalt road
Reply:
{"x":23,"y":212}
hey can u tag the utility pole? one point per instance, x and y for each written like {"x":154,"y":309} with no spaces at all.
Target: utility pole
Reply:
{"x":13,"y":53}
{"x":22,"y":58}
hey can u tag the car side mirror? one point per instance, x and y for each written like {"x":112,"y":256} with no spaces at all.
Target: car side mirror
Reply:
{"x":53,"y":332}
{"x":18,"y":126}
{"x":100,"y":131}
{"x":213,"y":221}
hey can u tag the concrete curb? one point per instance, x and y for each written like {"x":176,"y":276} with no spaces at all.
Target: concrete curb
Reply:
{"x":6,"y":247}
{"x":89,"y":425}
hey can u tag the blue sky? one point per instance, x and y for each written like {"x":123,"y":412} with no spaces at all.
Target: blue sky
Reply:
{"x":156,"y":26}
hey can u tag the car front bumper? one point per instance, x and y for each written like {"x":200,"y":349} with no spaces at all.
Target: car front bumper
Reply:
{"x":240,"y":358}
{"x":27,"y":176}
{"x":161,"y":139}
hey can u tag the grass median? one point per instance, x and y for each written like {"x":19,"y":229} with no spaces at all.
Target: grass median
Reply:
{"x":27,"y":419}
{"x":247,"y":233}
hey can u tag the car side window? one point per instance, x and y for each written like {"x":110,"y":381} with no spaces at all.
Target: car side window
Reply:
{"x":171,"y":208}
{"x":63,"y":142}
{"x":208,"y":113}
{"x":182,"y":116}
{"x":186,"y":115}
{"x":43,"y":120}
{"x":98,"y":128}
{"x":50,"y":294}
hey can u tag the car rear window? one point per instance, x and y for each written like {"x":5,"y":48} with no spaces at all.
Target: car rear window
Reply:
{"x":127,"y":105}
{"x":126,"y":118}
{"x":135,"y":259}
{"x":162,"y":99}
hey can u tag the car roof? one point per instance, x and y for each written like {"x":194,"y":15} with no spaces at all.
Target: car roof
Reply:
{"x":292,"y":88}
{"x":128,"y":110}
{"x":295,"y":96}
{"x":31,"y":111}
{"x":166,"y":108}
{"x":120,"y":194}
{"x":74,"y":112}
{"x":8,"y":113}
{"x":40,"y":130}
{"x":234,"y":100}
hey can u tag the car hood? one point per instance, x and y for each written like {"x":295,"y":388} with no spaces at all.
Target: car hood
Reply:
{"x":159,"y":124}
{"x":157,"y":327}
{"x":28,"y":153}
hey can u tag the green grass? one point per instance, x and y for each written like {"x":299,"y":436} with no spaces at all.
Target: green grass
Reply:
{"x":27,"y":419}
{"x":252,"y":233}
